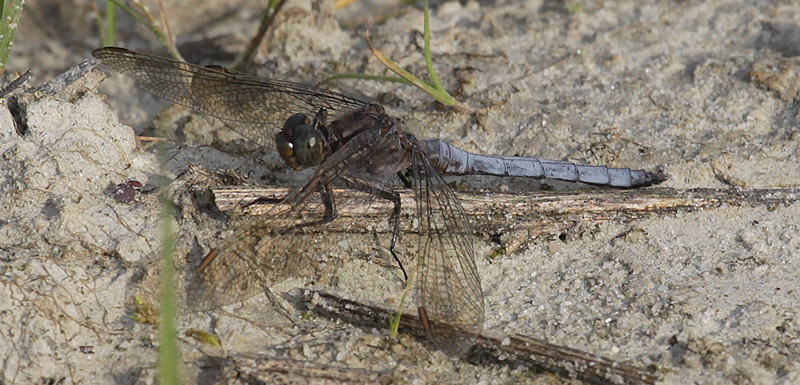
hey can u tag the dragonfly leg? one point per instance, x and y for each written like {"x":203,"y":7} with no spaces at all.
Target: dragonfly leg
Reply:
{"x":329,"y":215}
{"x":395,"y":231}
{"x":326,"y":195}
{"x":404,"y":179}
{"x":390,"y":195}
{"x":330,"y":205}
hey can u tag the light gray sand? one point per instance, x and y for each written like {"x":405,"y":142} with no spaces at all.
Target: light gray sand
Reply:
{"x":707,"y":90}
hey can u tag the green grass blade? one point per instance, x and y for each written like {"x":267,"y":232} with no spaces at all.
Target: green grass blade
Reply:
{"x":169,"y":361}
{"x":351,"y":75}
{"x":428,"y":57}
{"x":440,"y":94}
{"x":148,"y":21}
{"x":168,"y":349}
{"x":433,"y":88}
{"x":109,"y":33}
{"x":394,"y":319}
{"x":10,"y":13}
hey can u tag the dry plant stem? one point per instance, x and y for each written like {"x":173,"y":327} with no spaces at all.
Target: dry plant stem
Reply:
{"x":532,"y":214}
{"x":16,"y":83}
{"x":66,"y":78}
{"x":438,"y":94}
{"x":165,"y":22}
{"x":150,"y":138}
{"x":343,"y":3}
{"x":511,"y":350}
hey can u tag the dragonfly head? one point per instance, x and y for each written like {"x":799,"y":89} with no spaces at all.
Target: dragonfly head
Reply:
{"x":300,"y":144}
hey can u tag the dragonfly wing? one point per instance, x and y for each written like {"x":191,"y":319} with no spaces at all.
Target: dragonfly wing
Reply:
{"x":449,"y":296}
{"x":272,"y":247}
{"x":265,"y":250}
{"x":255,"y":108}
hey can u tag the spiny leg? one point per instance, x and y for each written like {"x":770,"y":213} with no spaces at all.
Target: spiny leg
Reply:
{"x":326,"y":194}
{"x":389,"y":195}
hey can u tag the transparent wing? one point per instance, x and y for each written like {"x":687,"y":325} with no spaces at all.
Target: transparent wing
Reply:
{"x":255,"y":108}
{"x":275,"y":246}
{"x":264,"y":251}
{"x":449,"y":296}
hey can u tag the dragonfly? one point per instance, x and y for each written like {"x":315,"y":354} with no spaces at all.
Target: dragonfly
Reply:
{"x":356,"y":144}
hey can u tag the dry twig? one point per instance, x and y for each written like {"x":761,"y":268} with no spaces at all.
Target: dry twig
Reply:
{"x":511,"y":350}
{"x":532,"y":214}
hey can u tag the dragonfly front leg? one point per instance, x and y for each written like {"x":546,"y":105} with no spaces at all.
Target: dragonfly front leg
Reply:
{"x":402,"y":176}
{"x":326,"y":194}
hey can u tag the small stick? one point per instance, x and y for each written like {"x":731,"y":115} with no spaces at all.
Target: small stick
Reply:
{"x":66,"y":78}
{"x":504,"y":349}
{"x":20,"y":80}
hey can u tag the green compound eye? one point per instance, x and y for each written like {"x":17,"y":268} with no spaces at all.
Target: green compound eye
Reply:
{"x":307,"y":145}
{"x":299,"y":143}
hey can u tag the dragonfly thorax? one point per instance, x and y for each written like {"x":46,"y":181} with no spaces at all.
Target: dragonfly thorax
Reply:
{"x":300,"y":144}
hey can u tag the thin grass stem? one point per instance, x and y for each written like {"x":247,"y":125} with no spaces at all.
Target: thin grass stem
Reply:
{"x":433,"y":88}
{"x":353,"y":75}
{"x":168,"y":363}
{"x":146,"y":19}
{"x":10,"y":11}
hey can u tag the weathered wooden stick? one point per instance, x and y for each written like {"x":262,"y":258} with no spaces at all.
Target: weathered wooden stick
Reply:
{"x":505,"y":349}
{"x":537,"y":213}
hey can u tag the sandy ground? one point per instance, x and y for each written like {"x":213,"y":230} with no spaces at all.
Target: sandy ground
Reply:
{"x":708,"y":91}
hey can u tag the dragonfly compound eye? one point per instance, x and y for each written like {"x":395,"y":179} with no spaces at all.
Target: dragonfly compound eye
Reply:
{"x":299,"y":144}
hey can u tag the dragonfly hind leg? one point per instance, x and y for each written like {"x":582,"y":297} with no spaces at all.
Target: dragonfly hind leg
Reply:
{"x":392,"y":196}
